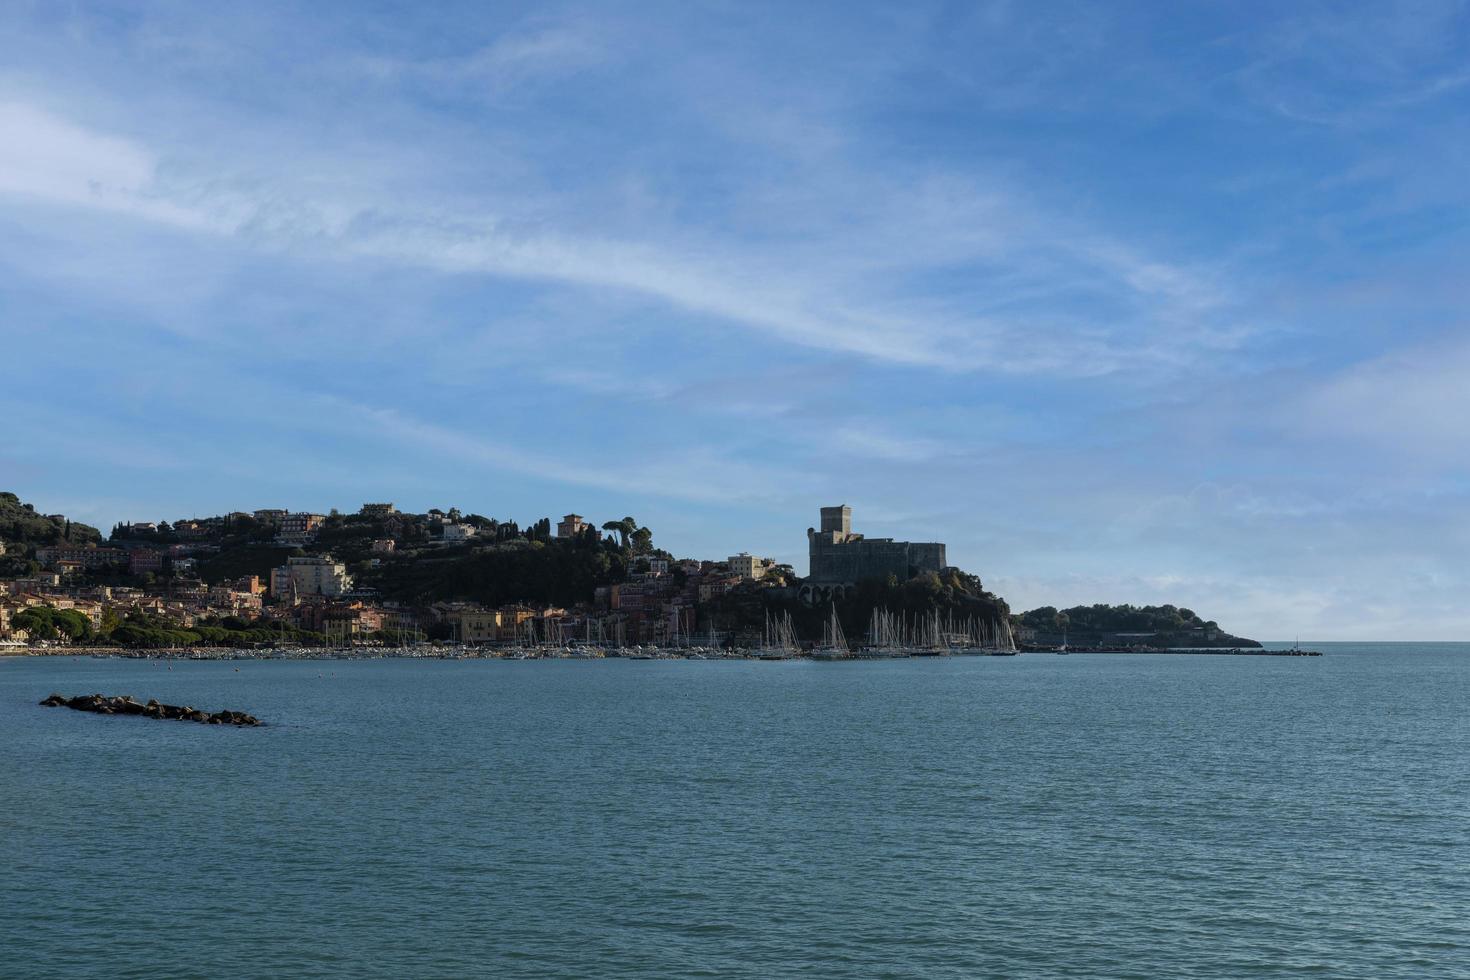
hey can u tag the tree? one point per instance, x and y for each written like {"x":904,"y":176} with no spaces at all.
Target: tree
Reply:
{"x":624,"y":529}
{"x":110,"y":620}
{"x":72,"y":624}
{"x":36,"y":621}
{"x":642,"y":541}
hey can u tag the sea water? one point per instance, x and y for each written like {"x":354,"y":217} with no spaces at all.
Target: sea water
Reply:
{"x":1087,"y":816}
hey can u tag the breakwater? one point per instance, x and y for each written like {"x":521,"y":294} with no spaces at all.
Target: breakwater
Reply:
{"x":1189,"y":651}
{"x":125,"y":705}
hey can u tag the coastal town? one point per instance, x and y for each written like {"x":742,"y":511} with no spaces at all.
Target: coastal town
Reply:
{"x":380,"y":579}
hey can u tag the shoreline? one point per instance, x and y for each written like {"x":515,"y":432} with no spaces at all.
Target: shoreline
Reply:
{"x":589,"y":653}
{"x":1189,"y":651}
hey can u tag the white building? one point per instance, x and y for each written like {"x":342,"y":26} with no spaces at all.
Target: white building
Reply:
{"x":310,"y":576}
{"x":748,"y":566}
{"x":459,"y":532}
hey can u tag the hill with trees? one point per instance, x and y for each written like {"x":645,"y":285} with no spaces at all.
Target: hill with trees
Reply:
{"x":21,"y":524}
{"x":956,"y":596}
{"x":1125,"y":625}
{"x":23,"y":529}
{"x":559,"y":572}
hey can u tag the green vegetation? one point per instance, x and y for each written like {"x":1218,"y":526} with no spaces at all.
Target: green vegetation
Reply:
{"x":151,"y":633}
{"x":554,"y":572}
{"x":1170,"y":625}
{"x":22,"y":529}
{"x":1115,"y":619}
{"x":955,"y":595}
{"x":142,"y":631}
{"x":45,"y":623}
{"x":245,"y":560}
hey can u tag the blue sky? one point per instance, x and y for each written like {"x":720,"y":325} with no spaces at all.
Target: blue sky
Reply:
{"x":1126,"y":303}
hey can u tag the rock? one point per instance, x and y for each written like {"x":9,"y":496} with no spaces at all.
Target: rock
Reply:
{"x":125,"y":705}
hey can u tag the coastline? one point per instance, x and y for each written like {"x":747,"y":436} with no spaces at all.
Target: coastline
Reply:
{"x":591,"y":653}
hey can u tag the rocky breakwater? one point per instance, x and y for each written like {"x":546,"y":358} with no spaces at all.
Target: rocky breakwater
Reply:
{"x":124,"y":705}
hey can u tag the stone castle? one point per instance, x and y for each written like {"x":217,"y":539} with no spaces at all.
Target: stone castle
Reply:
{"x":841,"y":558}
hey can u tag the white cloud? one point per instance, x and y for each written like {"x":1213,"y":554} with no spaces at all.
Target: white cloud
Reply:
{"x":819,"y":292}
{"x":694,"y":474}
{"x":1413,"y":401}
{"x":873,"y":441}
{"x":45,"y":157}
{"x":513,"y":59}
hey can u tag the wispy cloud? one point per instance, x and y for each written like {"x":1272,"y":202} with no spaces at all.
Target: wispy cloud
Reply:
{"x":815,"y":300}
{"x":694,"y":474}
{"x":516,"y":58}
{"x":1413,"y":402}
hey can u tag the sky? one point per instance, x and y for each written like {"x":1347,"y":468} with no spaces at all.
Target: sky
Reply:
{"x":1133,"y":302}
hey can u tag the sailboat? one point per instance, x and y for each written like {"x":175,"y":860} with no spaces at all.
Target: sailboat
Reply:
{"x":885,"y":639}
{"x":779,"y":639}
{"x":834,"y":644}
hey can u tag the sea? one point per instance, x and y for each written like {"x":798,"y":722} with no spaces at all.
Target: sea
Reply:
{"x":1031,"y":816}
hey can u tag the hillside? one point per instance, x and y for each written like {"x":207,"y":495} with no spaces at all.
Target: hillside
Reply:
{"x":957,"y":597}
{"x":1157,"y":627}
{"x":23,"y":530}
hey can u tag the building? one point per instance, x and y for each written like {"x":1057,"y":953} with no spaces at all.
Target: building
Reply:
{"x":269,"y":516}
{"x":490,"y":626}
{"x":571,"y":526}
{"x":40,"y":582}
{"x":142,"y":560}
{"x":299,"y":528}
{"x":310,"y":576}
{"x":51,"y":557}
{"x":748,"y":566}
{"x":384,"y":546}
{"x":840,"y":557}
{"x":249,"y":584}
{"x":479,"y":626}
{"x":343,"y":622}
{"x":378,"y":510}
{"x":458,"y":532}
{"x":138,"y":527}
{"x":195,"y":530}
{"x":229,"y":599}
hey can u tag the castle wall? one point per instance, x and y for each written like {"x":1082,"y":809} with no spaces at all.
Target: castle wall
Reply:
{"x":860,"y":559}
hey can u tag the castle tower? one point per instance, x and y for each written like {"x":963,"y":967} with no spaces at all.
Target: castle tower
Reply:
{"x":837,"y":519}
